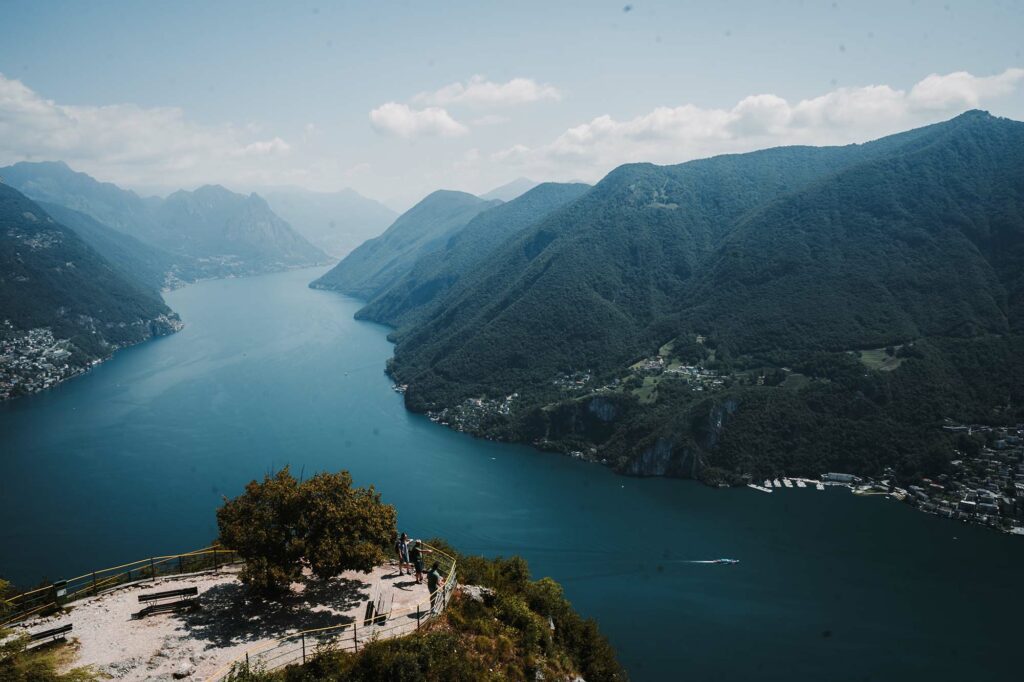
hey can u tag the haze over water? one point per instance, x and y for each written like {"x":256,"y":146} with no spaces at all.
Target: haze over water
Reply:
{"x":132,"y":460}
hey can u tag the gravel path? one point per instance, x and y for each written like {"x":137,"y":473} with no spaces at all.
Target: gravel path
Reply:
{"x":193,"y":644}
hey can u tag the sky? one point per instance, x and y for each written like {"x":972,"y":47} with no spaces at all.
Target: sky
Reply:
{"x":397,"y":99}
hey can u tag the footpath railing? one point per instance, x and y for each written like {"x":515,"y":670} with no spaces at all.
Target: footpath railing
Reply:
{"x":49,"y":598}
{"x":297,"y":648}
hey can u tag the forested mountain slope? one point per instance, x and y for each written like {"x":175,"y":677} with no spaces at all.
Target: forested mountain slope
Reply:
{"x":150,"y":266}
{"x":751,"y":266}
{"x":423,"y":229}
{"x":79,"y":305}
{"x":412,"y":297}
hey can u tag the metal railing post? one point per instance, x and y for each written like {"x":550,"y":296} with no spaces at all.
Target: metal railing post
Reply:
{"x":215,"y":565}
{"x":152,"y":568}
{"x":417,"y":616}
{"x":303,"y":647}
{"x":181,"y":565}
{"x":94,"y":582}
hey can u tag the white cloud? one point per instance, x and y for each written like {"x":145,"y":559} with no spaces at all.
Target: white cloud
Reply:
{"x":963,"y":90}
{"x":265,"y":147}
{"x":480,"y":92}
{"x":131,"y":144}
{"x":677,"y":134}
{"x":489,"y":120}
{"x":403,"y":121}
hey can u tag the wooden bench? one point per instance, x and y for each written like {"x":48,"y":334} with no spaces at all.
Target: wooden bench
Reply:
{"x":185,"y":597}
{"x":53,"y":633}
{"x":378,"y":607}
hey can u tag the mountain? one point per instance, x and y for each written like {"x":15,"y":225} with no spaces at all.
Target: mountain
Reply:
{"x":150,"y":267}
{"x":766,"y":291}
{"x":213,"y":232}
{"x":336,"y":222}
{"x":433,"y":274}
{"x":238,"y":231}
{"x":423,"y":229}
{"x":511,"y":190}
{"x":63,"y":306}
{"x":55,"y":183}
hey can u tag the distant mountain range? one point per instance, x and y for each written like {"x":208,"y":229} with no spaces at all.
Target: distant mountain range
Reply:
{"x":415,"y":295}
{"x":62,"y":305}
{"x":336,"y":222}
{"x":422,"y":230}
{"x":211,"y":232}
{"x":793,"y":310}
{"x":511,"y":190}
{"x":84,"y":265}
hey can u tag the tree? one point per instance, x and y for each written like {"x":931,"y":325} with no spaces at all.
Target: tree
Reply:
{"x":279,"y":526}
{"x":343,"y":528}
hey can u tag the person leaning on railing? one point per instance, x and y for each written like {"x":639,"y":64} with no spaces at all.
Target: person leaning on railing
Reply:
{"x":435,"y":582}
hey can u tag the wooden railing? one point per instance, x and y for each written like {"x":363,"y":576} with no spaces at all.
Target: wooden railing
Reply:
{"x":49,"y":598}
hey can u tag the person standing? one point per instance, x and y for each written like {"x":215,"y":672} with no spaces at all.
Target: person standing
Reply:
{"x":416,"y":554}
{"x":402,"y":548}
{"x":435,"y":583}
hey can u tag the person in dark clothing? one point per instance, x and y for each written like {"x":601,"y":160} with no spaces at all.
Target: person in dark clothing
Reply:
{"x":416,"y":554}
{"x":402,"y":548}
{"x":435,"y":581}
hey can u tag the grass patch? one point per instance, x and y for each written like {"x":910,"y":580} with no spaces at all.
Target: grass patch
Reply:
{"x":880,"y":360}
{"x":795,"y":381}
{"x":648,"y":392}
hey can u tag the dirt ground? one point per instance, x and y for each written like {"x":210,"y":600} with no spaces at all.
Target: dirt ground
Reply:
{"x":193,"y":644}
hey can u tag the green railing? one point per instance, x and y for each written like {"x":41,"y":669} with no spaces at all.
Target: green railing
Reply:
{"x":50,"y":598}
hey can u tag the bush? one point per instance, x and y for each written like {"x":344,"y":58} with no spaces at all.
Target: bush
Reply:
{"x":18,"y":664}
{"x":280,"y":525}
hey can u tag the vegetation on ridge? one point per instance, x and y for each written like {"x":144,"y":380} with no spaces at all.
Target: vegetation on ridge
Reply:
{"x":788,"y":261}
{"x":515,"y":628}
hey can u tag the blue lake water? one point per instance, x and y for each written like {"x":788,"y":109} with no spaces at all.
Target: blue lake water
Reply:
{"x":132,"y":460}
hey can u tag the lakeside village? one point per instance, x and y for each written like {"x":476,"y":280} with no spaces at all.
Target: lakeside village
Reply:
{"x":32,"y":360}
{"x":986,"y":487}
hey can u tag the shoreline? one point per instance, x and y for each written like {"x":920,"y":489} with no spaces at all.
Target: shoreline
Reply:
{"x":863,"y":486}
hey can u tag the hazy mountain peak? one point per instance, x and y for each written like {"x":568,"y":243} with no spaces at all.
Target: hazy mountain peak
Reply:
{"x":511,"y":190}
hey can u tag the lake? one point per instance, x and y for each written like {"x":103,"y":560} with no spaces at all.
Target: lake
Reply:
{"x":133,"y":458}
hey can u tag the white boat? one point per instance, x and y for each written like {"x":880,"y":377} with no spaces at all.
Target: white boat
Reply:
{"x":777,"y":483}
{"x":800,"y":484}
{"x":819,"y":486}
{"x":788,"y":483}
{"x":755,"y":486}
{"x":767,"y":483}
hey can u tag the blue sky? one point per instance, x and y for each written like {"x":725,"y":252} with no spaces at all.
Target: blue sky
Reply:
{"x":398,"y":99}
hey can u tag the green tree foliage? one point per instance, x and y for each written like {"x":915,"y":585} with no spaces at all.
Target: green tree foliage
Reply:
{"x":281,"y":525}
{"x":261,"y":525}
{"x":5,"y":588}
{"x":343,"y":528}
